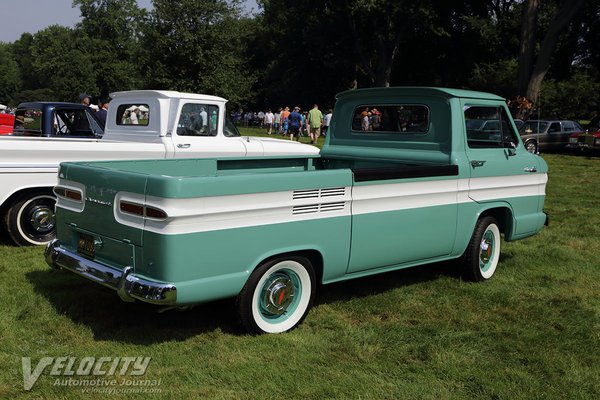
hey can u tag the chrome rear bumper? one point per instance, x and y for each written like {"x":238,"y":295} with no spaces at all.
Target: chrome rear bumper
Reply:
{"x":128,"y":286}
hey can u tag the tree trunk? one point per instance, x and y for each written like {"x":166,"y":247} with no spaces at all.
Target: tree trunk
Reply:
{"x":527,"y":46}
{"x":530,"y":79}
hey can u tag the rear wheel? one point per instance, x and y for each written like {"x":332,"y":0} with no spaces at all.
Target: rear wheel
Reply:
{"x":277,"y":296}
{"x":480,"y":260}
{"x":30,"y":219}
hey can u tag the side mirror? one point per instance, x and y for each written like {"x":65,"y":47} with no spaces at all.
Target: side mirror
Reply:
{"x":511,"y":148}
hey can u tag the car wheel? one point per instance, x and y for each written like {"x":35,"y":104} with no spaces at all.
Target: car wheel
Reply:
{"x":277,"y":296}
{"x":531,"y":147}
{"x":30,"y":219}
{"x":480,"y":259}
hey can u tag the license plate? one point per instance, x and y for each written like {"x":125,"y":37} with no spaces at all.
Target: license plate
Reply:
{"x":86,"y":245}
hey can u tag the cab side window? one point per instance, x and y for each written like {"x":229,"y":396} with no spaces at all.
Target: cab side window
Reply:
{"x":488,"y":127}
{"x":198,"y":120}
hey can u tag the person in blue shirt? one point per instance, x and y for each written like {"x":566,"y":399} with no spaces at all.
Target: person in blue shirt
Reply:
{"x":295,"y":122}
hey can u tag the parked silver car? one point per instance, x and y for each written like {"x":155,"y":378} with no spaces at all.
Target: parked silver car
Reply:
{"x":547,"y":135}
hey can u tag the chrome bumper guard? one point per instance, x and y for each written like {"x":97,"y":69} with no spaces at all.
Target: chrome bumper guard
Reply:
{"x":128,"y":286}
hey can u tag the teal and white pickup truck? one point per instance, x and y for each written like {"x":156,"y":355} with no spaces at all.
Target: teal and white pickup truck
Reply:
{"x":401,"y":181}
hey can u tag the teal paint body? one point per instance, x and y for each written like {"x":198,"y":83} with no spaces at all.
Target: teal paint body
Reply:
{"x":227,"y":216}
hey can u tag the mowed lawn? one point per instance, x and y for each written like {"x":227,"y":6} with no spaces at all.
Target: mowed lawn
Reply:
{"x":532,"y":332}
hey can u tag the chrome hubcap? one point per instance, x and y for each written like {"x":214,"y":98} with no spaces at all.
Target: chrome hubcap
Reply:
{"x":278,"y":294}
{"x":486,"y":248}
{"x":42,"y":219}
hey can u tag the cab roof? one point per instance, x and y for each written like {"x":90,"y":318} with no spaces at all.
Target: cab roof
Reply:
{"x":165,"y":94}
{"x":418,"y":91}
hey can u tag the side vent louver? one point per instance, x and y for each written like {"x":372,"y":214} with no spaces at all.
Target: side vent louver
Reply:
{"x":319,"y":195}
{"x":306,"y":194}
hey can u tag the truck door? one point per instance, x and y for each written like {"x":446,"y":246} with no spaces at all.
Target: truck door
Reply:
{"x":199,"y":133}
{"x":502,"y":170}
{"x":406,"y":213}
{"x":402,"y":221}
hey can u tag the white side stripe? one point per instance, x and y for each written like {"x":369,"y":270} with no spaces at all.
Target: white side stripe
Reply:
{"x":237,"y":211}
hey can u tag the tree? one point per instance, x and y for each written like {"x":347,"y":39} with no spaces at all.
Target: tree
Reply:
{"x":62,"y":61}
{"x":10,"y":80}
{"x":112,"y":28}
{"x":533,"y":64}
{"x":196,"y":46}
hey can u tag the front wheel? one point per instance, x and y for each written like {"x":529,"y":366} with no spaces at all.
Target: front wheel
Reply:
{"x":30,"y":219}
{"x":480,"y":259}
{"x":277,"y":296}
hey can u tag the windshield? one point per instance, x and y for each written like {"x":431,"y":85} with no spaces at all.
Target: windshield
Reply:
{"x":230,"y":128}
{"x":533,"y":127}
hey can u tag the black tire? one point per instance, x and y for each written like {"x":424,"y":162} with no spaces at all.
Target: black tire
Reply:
{"x":480,"y":259}
{"x":277,"y":295}
{"x":30,"y":220}
{"x":531,"y":146}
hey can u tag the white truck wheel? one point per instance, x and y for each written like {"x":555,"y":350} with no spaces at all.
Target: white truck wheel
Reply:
{"x":277,"y":296}
{"x":30,"y":219}
{"x":480,"y":259}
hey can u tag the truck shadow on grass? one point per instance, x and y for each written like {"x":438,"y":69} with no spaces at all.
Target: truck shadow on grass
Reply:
{"x":111,"y":319}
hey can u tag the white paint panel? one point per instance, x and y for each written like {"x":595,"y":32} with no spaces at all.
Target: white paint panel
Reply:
{"x":238,"y":211}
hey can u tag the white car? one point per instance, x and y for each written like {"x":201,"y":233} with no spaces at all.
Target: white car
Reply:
{"x":144,"y":124}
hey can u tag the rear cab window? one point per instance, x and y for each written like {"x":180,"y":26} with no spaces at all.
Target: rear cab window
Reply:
{"x":28,"y":122}
{"x":398,"y":119}
{"x":133,"y":114}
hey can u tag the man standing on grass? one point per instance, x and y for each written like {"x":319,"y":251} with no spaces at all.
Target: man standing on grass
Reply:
{"x":269,"y":120}
{"x":295,"y":123}
{"x":315,"y":120}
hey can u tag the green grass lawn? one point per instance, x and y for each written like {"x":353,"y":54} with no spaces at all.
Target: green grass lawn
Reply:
{"x":532,"y":332}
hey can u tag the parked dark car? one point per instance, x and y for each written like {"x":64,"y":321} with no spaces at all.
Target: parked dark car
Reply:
{"x":548,"y":135}
{"x":588,"y":141}
{"x":50,"y":119}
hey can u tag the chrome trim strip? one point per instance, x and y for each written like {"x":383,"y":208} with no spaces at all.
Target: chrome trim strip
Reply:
{"x":128,"y":286}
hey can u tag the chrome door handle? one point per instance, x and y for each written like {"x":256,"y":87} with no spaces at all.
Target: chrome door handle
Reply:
{"x":477,"y":163}
{"x":530,"y":169}
{"x":183,"y":146}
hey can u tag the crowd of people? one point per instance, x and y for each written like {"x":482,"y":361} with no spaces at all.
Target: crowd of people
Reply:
{"x":293,"y":123}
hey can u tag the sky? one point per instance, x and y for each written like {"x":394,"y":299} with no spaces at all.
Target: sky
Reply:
{"x":19,"y":16}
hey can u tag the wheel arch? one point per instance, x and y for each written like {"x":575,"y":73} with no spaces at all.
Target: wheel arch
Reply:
{"x":503,"y":215}
{"x":313,"y":255}
{"x":15,"y":196}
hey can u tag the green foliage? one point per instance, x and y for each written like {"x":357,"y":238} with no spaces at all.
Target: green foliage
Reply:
{"x":497,"y":77}
{"x":299,"y":52}
{"x":195,"y":46}
{"x":10,"y":80}
{"x":113,"y":29}
{"x":575,"y":98}
{"x":62,"y":60}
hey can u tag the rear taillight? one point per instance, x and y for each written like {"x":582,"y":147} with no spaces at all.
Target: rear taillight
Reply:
{"x":155,"y":213}
{"x":131,"y":208}
{"x":68,"y":193}
{"x":141,"y":210}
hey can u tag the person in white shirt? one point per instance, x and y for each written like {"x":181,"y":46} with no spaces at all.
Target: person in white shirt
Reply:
{"x":133,"y":118}
{"x":269,"y":120}
{"x":327,"y":121}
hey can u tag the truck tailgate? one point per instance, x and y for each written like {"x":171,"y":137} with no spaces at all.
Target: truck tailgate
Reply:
{"x":101,"y":189}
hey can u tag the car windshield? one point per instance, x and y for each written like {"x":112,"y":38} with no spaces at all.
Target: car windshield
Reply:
{"x":534,"y":127}
{"x":230,"y":129}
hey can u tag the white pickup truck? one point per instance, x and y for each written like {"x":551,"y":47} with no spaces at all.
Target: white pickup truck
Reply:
{"x":144,"y":124}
